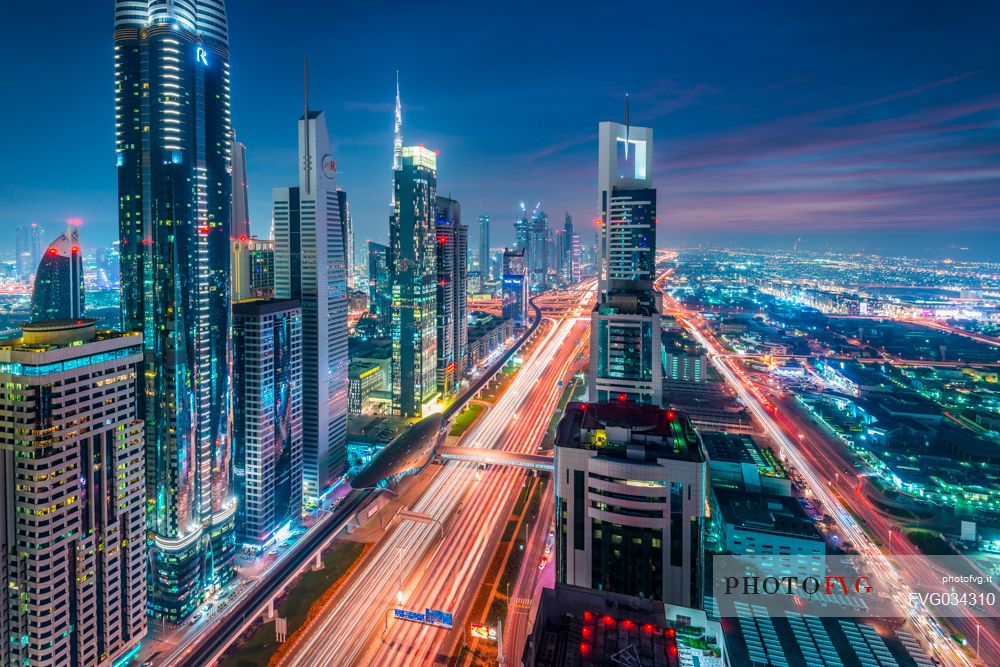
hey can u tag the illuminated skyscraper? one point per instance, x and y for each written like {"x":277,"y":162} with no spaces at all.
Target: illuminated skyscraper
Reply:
{"x":347,"y":233}
{"x":380,"y":286}
{"x":309,"y":265}
{"x":28,"y":246}
{"x":173,"y":141}
{"x":452,"y":294}
{"x":267,"y":417}
{"x":514,"y":291}
{"x":72,"y":527}
{"x":625,"y":344}
{"x":58,"y":293}
{"x":484,"y":247}
{"x":412,"y":240}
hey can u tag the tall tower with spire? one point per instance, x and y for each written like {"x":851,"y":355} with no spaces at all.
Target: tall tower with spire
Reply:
{"x":625,"y":344}
{"x":173,"y":142}
{"x":397,"y":142}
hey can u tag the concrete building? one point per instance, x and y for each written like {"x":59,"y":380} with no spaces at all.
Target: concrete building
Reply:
{"x":452,"y":295}
{"x":631,"y":483}
{"x":683,"y":359}
{"x":413,"y":241}
{"x":366,"y":380}
{"x":487,"y":334}
{"x":310,"y":266}
{"x":760,"y":524}
{"x":252,"y":268}
{"x":267,"y":418}
{"x":625,"y":343}
{"x":736,"y":461}
{"x":74,"y":498}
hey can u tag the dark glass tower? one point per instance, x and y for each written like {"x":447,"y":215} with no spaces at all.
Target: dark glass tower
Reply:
{"x":58,"y":293}
{"x":414,"y":285}
{"x":173,"y":143}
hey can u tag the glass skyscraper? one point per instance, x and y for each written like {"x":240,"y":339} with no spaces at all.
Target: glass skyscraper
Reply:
{"x":309,"y":265}
{"x":173,"y":141}
{"x":452,"y":295}
{"x":625,"y":340}
{"x":414,"y":284}
{"x":58,"y":292}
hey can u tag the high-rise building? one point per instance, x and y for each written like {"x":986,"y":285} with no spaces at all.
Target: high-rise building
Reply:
{"x":380,"y":286}
{"x":173,"y":140}
{"x":631,"y":485}
{"x":309,"y":265}
{"x":58,"y":293}
{"x":240,"y":227}
{"x":267,"y":417}
{"x":514,"y":290}
{"x":625,"y":341}
{"x":413,"y":241}
{"x":452,"y":295}
{"x":73,"y":526}
{"x":566,"y":272}
{"x":576,"y":259}
{"x":28,"y":241}
{"x":347,"y":233}
{"x":536,"y":252}
{"x":397,"y":145}
{"x":484,"y":248}
{"x":252,"y":272}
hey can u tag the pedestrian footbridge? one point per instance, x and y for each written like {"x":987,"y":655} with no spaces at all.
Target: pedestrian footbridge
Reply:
{"x":495,"y":457}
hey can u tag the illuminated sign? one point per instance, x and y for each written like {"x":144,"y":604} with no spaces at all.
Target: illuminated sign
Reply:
{"x":430,"y":616}
{"x":201,"y":56}
{"x":479,"y":631}
{"x":329,"y":166}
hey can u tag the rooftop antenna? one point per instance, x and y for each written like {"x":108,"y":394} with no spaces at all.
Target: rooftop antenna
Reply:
{"x":307,"y":158}
{"x":626,"y":126}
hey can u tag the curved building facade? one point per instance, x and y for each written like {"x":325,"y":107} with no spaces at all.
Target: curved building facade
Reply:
{"x":58,"y":292}
{"x":173,"y":143}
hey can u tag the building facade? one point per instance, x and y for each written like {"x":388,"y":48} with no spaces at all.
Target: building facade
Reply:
{"x":631,"y":484}
{"x":380,"y":287}
{"x":514,"y":290}
{"x":73,"y":523}
{"x":267,"y":418}
{"x":452,"y":295}
{"x":310,"y":266}
{"x":240,"y":227}
{"x":412,"y":239}
{"x":173,"y":141}
{"x":625,"y":342}
{"x":58,"y":293}
{"x":484,"y":248}
{"x":252,"y":272}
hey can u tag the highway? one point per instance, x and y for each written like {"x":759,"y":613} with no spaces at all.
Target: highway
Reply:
{"x":198,"y":644}
{"x":925,"y":626}
{"x":413,"y":566}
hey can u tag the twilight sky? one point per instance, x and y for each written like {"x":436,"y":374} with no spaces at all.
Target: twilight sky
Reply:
{"x":861,"y":125}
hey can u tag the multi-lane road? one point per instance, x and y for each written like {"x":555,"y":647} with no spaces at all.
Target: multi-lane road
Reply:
{"x":817,"y":477}
{"x":438,"y":565}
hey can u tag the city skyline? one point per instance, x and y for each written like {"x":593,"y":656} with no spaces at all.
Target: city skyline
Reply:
{"x":861,"y":137}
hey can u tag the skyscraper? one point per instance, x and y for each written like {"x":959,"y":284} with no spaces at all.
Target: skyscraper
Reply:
{"x":28,"y":248}
{"x":514,"y":290}
{"x":309,"y":266}
{"x":625,"y":358}
{"x":380,"y":286}
{"x":252,"y":275}
{"x":267,"y":417}
{"x":412,"y":241}
{"x":631,"y":489}
{"x":452,"y":295}
{"x":241,"y":206}
{"x":72,"y":527}
{"x":347,"y":233}
{"x":58,"y":292}
{"x":484,"y":248}
{"x":397,"y":145}
{"x":536,"y":252}
{"x":173,"y":142}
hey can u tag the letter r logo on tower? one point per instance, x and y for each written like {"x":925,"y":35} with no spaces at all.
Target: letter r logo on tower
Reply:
{"x":201,"y":56}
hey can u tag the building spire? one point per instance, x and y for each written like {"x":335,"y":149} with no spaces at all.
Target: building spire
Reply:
{"x":626,"y":126}
{"x":397,"y":143}
{"x":307,"y":158}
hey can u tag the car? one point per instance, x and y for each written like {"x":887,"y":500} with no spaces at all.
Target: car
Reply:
{"x":541,"y":565}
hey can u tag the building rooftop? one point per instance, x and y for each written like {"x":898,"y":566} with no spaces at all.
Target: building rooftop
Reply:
{"x":580,"y":626}
{"x":741,"y":448}
{"x":616,"y":428}
{"x":763,"y":513}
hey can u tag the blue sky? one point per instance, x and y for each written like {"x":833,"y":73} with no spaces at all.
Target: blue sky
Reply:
{"x":861,"y":124}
